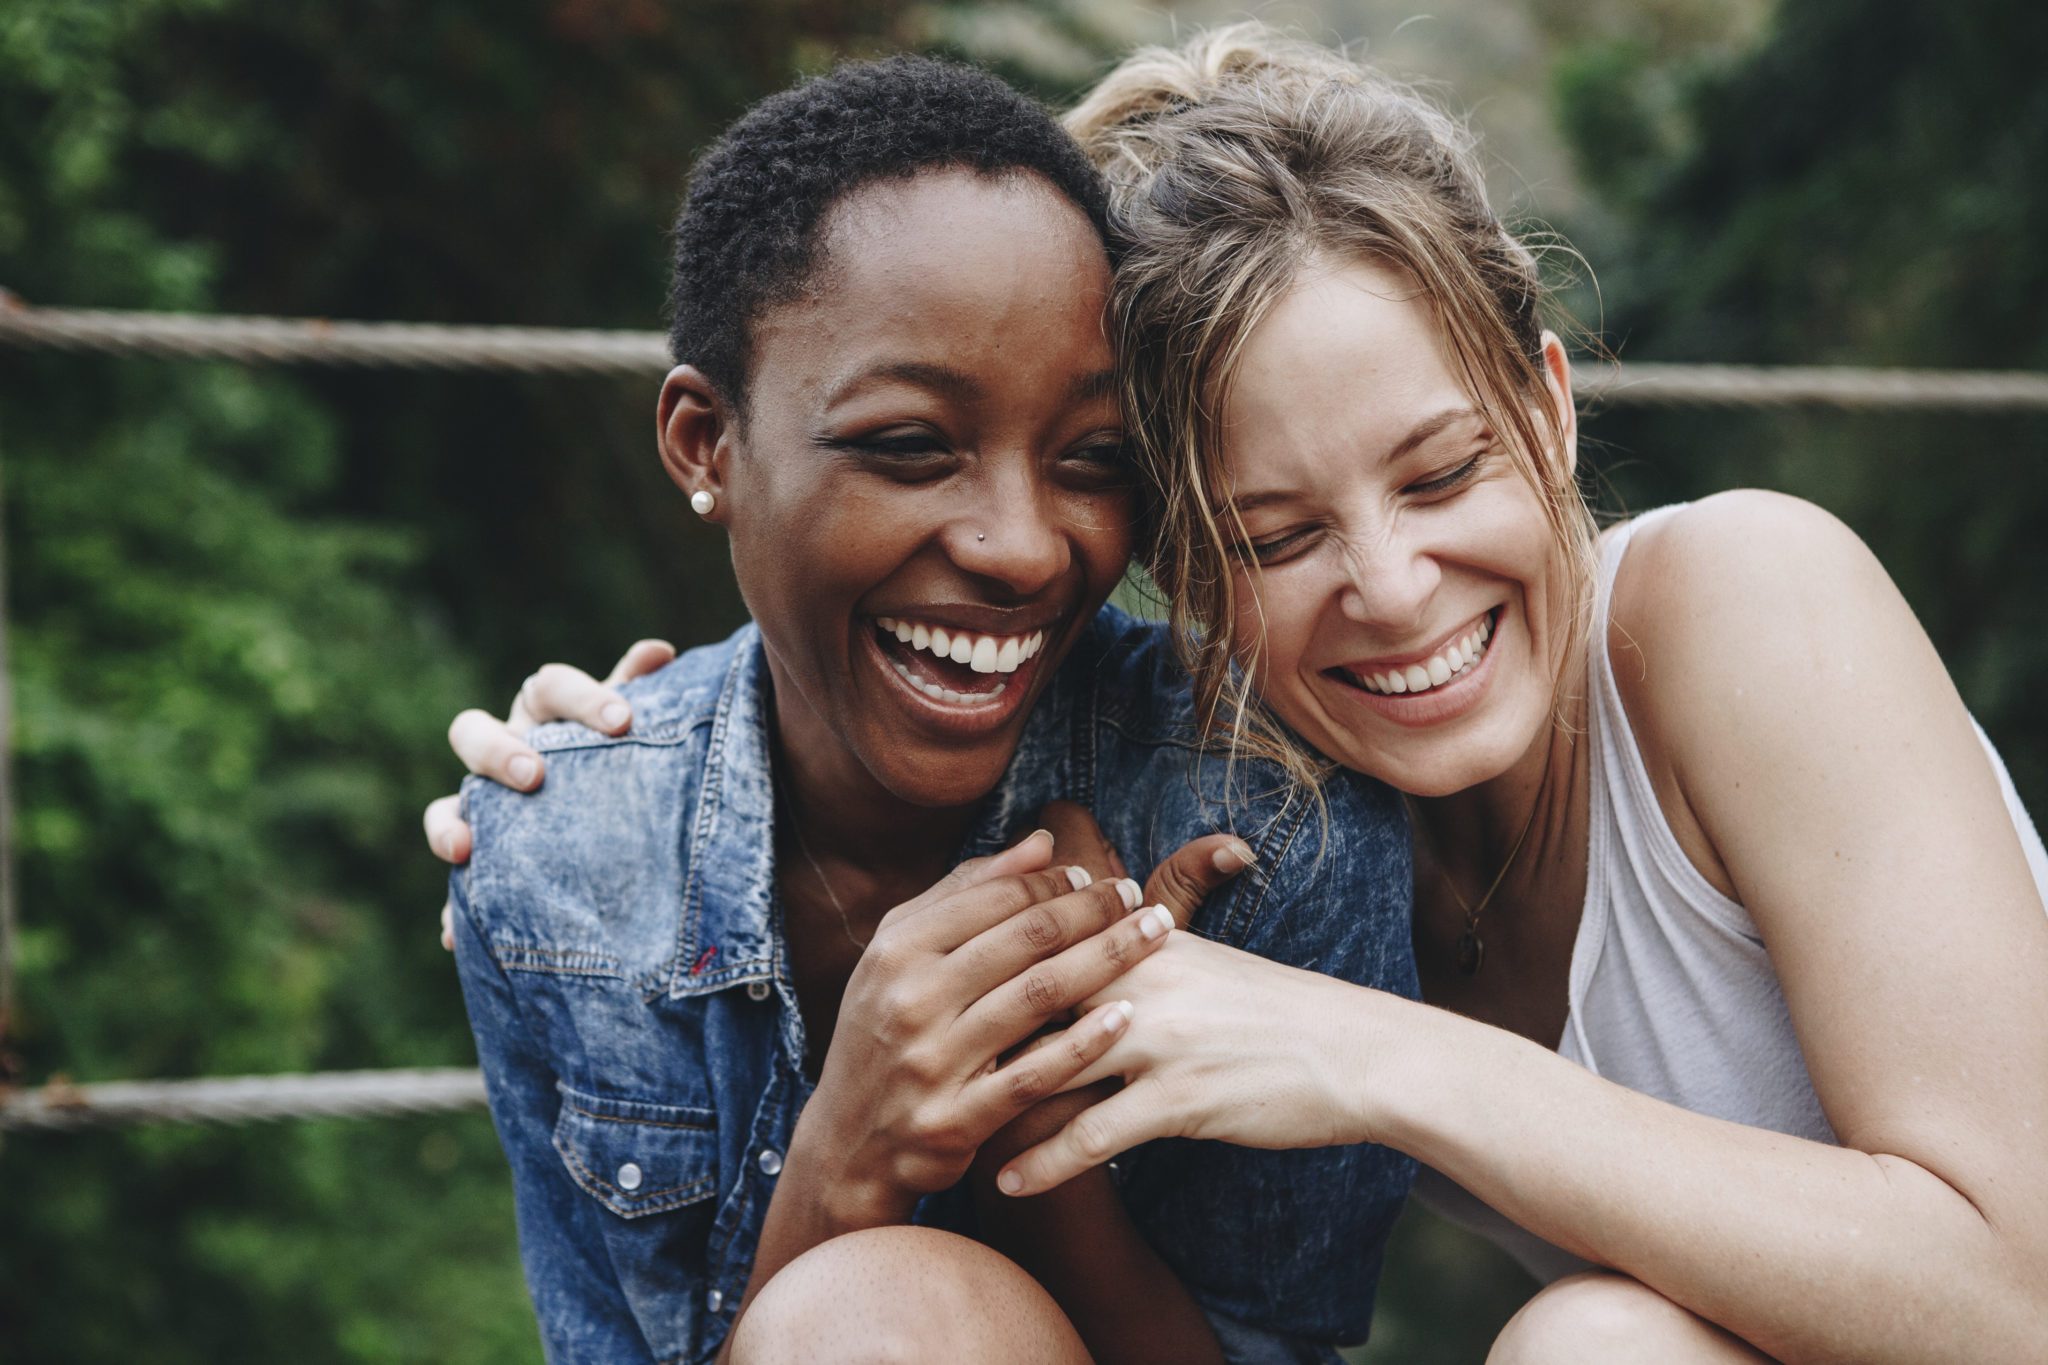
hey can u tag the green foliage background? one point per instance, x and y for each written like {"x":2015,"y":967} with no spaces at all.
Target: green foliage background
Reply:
{"x":244,"y":603}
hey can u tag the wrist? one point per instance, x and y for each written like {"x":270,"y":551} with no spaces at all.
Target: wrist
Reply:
{"x":847,"y":1203}
{"x":841,"y":1197}
{"x":1376,"y":1063}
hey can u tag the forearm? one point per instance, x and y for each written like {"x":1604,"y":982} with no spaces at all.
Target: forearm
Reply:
{"x":1810,"y":1252}
{"x":1079,"y":1242}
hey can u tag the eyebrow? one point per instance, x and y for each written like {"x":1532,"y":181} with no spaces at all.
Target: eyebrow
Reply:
{"x":961,"y":387}
{"x":1085,"y":387}
{"x":1427,"y":429}
{"x":944,"y":380}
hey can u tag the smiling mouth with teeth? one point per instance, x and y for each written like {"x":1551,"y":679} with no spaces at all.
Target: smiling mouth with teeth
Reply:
{"x":1433,"y":672}
{"x":959,"y":668}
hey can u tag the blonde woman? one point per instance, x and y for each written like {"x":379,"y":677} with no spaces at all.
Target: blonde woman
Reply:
{"x":1728,"y":920}
{"x":1729,"y":923}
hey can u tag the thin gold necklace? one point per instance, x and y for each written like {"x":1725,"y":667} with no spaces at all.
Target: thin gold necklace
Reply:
{"x":1472,"y":948}
{"x":804,"y":846}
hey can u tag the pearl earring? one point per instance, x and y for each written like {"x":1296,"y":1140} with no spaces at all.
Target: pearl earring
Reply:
{"x":701,"y":502}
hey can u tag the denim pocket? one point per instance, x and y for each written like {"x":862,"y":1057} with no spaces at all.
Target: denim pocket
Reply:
{"x":637,"y":1158}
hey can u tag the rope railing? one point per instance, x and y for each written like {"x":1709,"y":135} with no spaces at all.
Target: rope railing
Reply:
{"x":1642,"y":384}
{"x":539,"y":350}
{"x":317,"y":341}
{"x":243,"y":1099}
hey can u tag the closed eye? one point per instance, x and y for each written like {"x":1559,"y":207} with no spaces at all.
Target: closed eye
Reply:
{"x":912,"y":454}
{"x":895,"y":443}
{"x":1102,"y":452}
{"x":1444,"y":483}
{"x":1100,"y":464}
{"x":1280,"y":548}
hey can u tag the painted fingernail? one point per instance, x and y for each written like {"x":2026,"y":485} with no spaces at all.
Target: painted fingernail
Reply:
{"x":1155,"y":921}
{"x":1119,"y":1015}
{"x":1128,"y":889}
{"x":1234,"y":856}
{"x":1078,"y":877}
{"x":615,"y":715}
{"x":444,"y":845}
{"x":1009,"y":1182}
{"x":523,"y":770}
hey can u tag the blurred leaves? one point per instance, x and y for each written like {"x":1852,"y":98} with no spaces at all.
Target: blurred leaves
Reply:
{"x":218,"y":731}
{"x":226,"y":712}
{"x":1864,"y":186}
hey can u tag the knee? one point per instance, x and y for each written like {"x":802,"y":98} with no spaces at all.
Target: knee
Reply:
{"x":903,"y":1296}
{"x":1599,"y":1318}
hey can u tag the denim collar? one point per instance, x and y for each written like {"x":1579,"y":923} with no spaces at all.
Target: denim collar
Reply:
{"x":731,"y":933}
{"x":729,"y":901}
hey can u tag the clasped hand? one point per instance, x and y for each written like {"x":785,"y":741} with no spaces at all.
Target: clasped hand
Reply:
{"x":917,"y":1077}
{"x":1223,"y":1045}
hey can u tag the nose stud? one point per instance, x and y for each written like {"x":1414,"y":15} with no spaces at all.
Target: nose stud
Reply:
{"x":981,"y":535}
{"x":701,"y":502}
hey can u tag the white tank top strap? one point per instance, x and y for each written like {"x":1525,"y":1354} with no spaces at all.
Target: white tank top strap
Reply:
{"x":1672,"y":991}
{"x":1630,"y":841}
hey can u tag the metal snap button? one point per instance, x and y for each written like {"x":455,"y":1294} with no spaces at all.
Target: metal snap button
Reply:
{"x":770,"y":1162}
{"x":714,"y":1301}
{"x":629,"y":1177}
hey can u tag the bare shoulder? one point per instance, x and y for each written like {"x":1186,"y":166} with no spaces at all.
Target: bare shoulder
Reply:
{"x":1748,"y":552}
{"x":1819,"y":767}
{"x":1749,"y":585}
{"x":1753,"y":636}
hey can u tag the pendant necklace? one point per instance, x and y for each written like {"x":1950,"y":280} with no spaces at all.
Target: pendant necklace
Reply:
{"x":804,"y":846}
{"x":1472,"y":948}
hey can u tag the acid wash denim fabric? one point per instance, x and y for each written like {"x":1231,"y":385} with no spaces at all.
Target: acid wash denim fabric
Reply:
{"x":618,"y":935}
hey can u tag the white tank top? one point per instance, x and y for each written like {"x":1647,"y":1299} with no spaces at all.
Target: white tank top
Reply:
{"x":1671,"y":989}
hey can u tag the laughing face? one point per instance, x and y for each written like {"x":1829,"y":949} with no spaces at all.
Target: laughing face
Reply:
{"x":926,"y":498}
{"x":1408,"y":606}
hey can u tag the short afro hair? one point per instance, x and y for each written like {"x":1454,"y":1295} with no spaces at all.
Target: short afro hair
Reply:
{"x":746,"y":238}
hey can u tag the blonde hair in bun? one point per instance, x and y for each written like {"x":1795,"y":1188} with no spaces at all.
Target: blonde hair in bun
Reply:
{"x":1233,"y":161}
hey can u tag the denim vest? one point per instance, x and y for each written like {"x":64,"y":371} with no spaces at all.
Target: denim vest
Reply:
{"x":619,"y":940}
